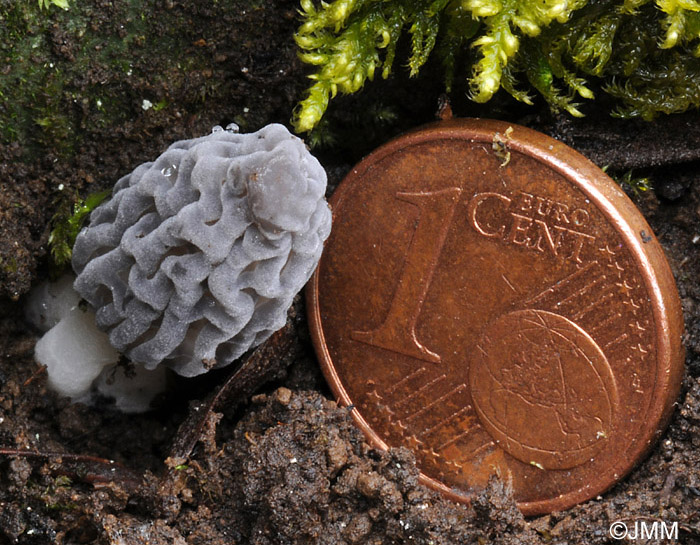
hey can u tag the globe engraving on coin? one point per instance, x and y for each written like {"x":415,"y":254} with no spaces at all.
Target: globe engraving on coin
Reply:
{"x":491,"y":300}
{"x":542,"y":365}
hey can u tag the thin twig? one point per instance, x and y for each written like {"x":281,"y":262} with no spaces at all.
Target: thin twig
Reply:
{"x":40,"y":371}
{"x":90,"y":469}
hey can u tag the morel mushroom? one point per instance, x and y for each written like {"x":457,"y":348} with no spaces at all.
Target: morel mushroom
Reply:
{"x":197,"y":256}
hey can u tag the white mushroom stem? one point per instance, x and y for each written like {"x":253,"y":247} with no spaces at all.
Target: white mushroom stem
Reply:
{"x":75,"y":352}
{"x":79,"y":357}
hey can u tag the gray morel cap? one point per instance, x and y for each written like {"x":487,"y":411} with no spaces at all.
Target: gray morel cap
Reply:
{"x":196,"y":257}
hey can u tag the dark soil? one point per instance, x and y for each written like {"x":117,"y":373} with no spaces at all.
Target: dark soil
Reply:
{"x":286,"y":466}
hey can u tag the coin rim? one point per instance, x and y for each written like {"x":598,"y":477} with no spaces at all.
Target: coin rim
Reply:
{"x":626,"y":219}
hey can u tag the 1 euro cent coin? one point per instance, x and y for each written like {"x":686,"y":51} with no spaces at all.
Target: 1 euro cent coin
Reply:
{"x":491,"y":300}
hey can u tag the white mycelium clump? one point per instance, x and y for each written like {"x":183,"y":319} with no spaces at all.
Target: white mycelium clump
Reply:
{"x":197,"y":256}
{"x":78,"y":356}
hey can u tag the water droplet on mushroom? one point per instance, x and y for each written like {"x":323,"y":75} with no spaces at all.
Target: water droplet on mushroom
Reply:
{"x":232,"y":127}
{"x":217,"y":128}
{"x":169,"y":171}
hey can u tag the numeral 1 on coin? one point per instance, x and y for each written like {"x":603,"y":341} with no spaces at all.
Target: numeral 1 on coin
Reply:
{"x":398,"y":331}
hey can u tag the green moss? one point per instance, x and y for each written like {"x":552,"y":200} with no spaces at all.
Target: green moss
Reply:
{"x":63,"y":4}
{"x":66,"y":225}
{"x":68,"y":73}
{"x":632,"y":183}
{"x":9,"y":266}
{"x":59,"y":484}
{"x":644,"y":53}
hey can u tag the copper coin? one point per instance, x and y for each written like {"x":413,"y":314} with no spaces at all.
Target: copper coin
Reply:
{"x":493,"y":301}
